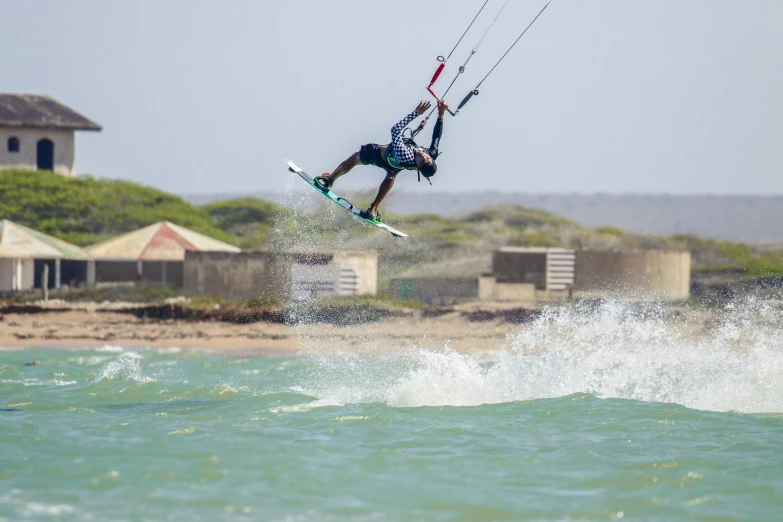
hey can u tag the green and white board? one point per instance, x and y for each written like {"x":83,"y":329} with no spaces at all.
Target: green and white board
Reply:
{"x":344,"y":202}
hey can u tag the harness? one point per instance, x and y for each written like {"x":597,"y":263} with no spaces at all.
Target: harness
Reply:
{"x":390,"y":157}
{"x":408,"y":141}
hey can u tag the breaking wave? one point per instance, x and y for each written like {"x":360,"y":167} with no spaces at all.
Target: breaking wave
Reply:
{"x":125,"y":367}
{"x":731,"y":360}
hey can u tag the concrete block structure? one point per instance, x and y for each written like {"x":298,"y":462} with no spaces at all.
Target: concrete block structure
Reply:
{"x":621,"y":274}
{"x":490,"y":289}
{"x":365,"y":266}
{"x":281,"y":276}
{"x":635,"y":274}
{"x":547,"y":269}
{"x":37,"y":133}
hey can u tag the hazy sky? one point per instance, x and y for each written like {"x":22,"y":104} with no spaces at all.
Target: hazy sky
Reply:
{"x":663,"y":96}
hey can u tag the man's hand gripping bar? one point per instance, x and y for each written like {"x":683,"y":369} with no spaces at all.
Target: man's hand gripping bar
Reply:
{"x":435,"y":76}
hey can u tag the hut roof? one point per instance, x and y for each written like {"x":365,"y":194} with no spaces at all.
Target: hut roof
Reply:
{"x":31,"y":110}
{"x":19,"y":241}
{"x":162,"y":241}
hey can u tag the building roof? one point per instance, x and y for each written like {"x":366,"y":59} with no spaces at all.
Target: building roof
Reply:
{"x":30,"y":110}
{"x":162,"y":241}
{"x":19,"y":242}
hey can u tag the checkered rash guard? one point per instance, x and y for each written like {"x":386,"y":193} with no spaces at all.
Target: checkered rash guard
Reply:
{"x":401,"y":153}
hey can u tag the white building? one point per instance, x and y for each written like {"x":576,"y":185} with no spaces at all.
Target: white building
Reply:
{"x":37,"y":133}
{"x":25,"y":253}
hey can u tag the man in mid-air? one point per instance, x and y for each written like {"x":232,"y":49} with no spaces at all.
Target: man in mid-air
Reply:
{"x":400,"y":154}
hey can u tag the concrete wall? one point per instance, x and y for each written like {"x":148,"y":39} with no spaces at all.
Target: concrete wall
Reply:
{"x":492,"y":290}
{"x":435,"y":289}
{"x":27,"y":157}
{"x":164,"y":272}
{"x":313,"y":281}
{"x":636,"y":274}
{"x":365,"y":264}
{"x":16,"y":274}
{"x":528,"y":266}
{"x":8,"y":277}
{"x":116,"y":271}
{"x":251,"y":275}
{"x":27,"y":271}
{"x":244,"y":275}
{"x":515,"y":292}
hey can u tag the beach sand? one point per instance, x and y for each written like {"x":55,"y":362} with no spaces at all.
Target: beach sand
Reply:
{"x":78,"y":328}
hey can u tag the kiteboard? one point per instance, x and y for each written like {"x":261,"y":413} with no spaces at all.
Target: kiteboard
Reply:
{"x":344,"y":202}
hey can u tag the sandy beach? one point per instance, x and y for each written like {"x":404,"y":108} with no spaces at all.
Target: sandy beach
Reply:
{"x":86,"y":327}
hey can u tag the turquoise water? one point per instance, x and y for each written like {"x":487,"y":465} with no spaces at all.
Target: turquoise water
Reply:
{"x":579,"y":417}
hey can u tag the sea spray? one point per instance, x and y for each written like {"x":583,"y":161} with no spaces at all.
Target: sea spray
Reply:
{"x":125,"y":367}
{"x":613,"y":350}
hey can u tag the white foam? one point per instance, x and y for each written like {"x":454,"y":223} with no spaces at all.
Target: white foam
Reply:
{"x":227,"y":387}
{"x":110,"y":349}
{"x":296,"y":408}
{"x":14,"y":499}
{"x":60,"y":382}
{"x":92,"y":360}
{"x":35,"y":509}
{"x":169,"y":350}
{"x":126,"y":367}
{"x":614,"y":351}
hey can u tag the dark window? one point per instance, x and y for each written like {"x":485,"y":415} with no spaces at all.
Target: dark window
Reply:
{"x":13,"y":144}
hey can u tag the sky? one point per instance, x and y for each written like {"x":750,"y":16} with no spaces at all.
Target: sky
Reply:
{"x":600,"y":96}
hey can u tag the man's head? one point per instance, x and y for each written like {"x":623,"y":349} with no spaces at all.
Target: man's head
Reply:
{"x":425,"y":164}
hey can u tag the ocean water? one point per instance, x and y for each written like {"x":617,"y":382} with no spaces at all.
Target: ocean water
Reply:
{"x":582,"y":415}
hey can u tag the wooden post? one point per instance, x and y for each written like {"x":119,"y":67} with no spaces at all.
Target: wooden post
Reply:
{"x":57,"y":273}
{"x":45,"y":283}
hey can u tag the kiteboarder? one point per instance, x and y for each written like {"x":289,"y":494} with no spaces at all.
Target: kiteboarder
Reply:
{"x":400,"y":154}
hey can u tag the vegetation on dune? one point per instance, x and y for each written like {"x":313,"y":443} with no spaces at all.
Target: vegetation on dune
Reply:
{"x":716,"y":255}
{"x":521,"y":217}
{"x":248,"y":220}
{"x":611,"y":231}
{"x":534,"y":238}
{"x":86,"y":210}
{"x":422,"y":220}
{"x":520,"y":225}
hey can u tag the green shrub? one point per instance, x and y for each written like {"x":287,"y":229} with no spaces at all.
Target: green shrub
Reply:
{"x":86,"y":210}
{"x":250,"y":220}
{"x":611,"y":231}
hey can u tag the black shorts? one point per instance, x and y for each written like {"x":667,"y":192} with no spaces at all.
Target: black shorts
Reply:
{"x":370,"y":154}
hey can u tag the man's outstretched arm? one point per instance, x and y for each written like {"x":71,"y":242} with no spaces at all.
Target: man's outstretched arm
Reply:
{"x":421,"y":108}
{"x":437,"y":132}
